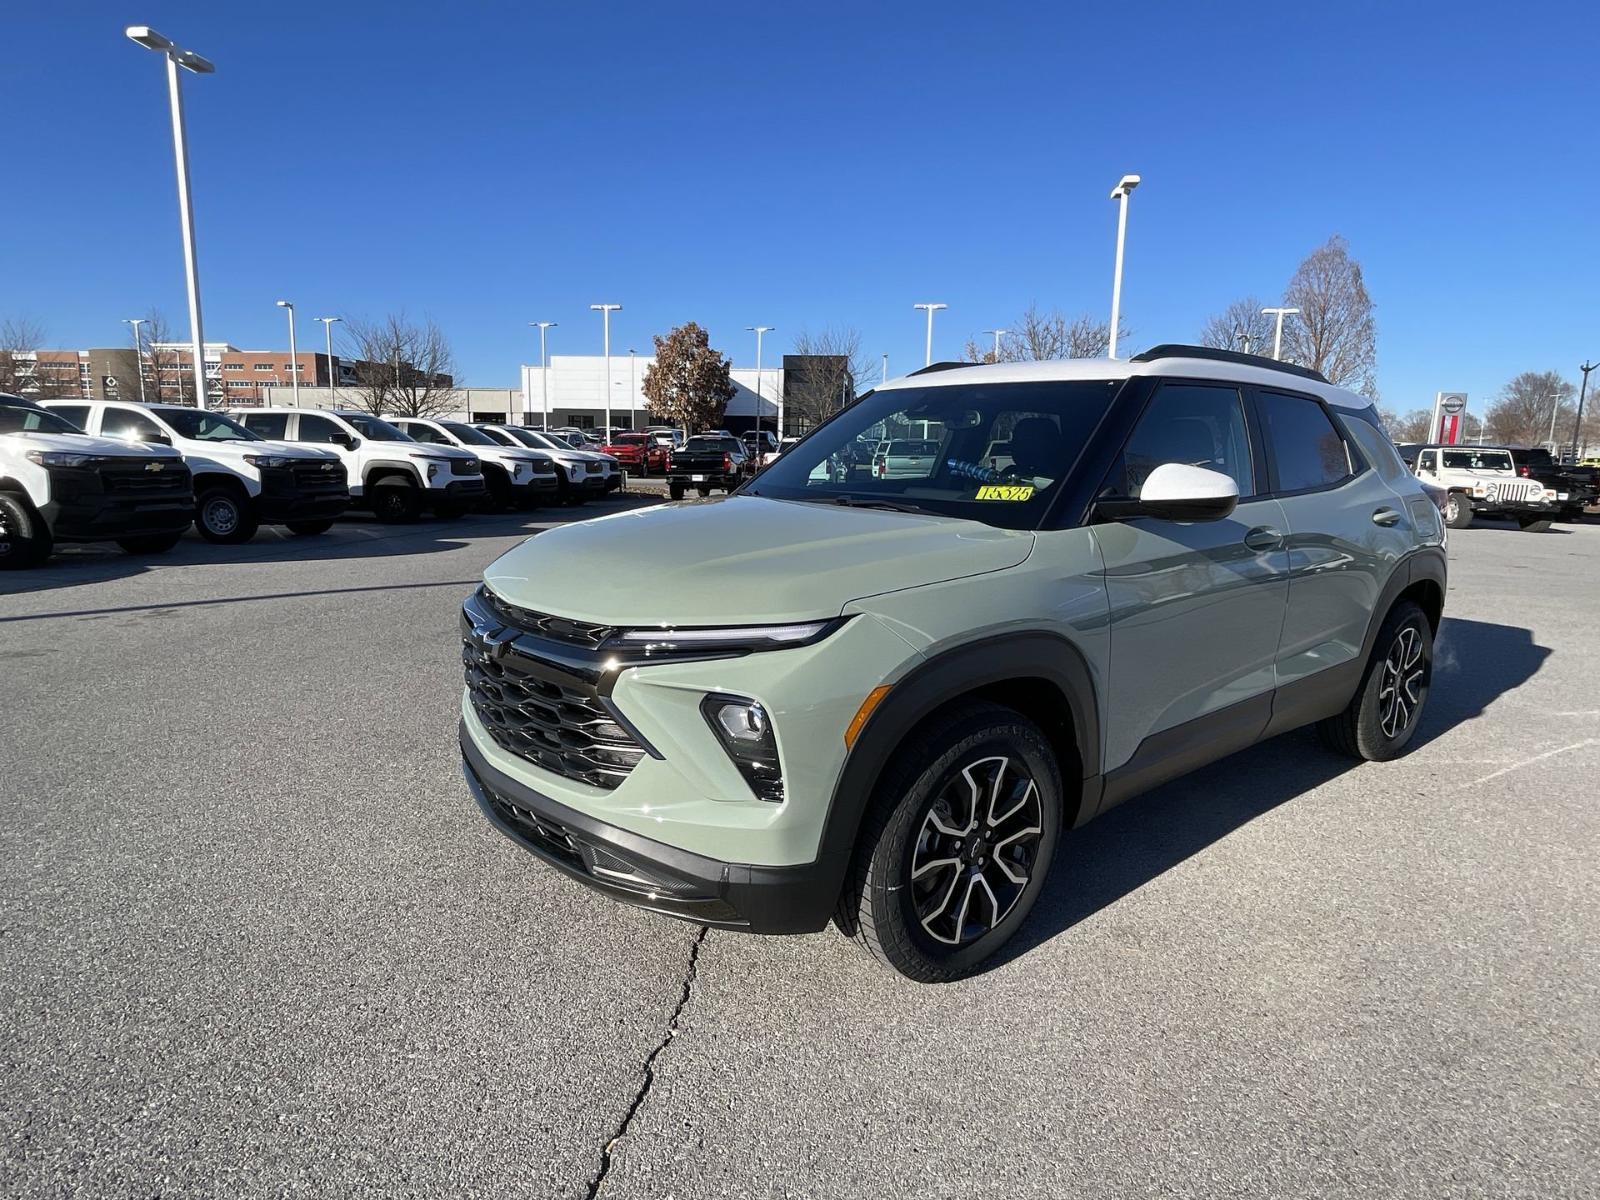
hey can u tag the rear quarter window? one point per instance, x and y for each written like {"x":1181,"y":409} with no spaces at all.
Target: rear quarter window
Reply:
{"x":1374,"y":445}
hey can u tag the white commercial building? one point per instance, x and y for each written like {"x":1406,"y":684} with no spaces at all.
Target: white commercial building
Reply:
{"x":577,"y":390}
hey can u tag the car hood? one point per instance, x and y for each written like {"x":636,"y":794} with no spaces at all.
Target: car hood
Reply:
{"x":742,"y":560}
{"x":82,"y":443}
{"x":234,"y":452}
{"x":425,"y":450}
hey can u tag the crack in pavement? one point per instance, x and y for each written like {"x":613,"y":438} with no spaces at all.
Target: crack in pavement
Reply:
{"x":649,"y":1079}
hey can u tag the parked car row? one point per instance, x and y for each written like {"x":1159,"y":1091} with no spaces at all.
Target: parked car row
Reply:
{"x":140,"y":474}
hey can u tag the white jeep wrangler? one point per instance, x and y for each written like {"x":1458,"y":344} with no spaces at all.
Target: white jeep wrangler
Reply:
{"x":1483,"y":481}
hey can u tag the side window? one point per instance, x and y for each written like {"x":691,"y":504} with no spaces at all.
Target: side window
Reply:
{"x":1199,"y":425}
{"x":421,"y":433}
{"x":268,"y":425}
{"x":318,"y":429}
{"x":1304,"y":448}
{"x":78,"y":414}
{"x":1428,"y":461}
{"x":127,"y":424}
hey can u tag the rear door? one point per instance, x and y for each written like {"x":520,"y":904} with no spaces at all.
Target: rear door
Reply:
{"x":1346,"y":531}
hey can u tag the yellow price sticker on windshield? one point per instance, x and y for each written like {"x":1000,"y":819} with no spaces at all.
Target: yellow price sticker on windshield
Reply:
{"x":1008,"y":491}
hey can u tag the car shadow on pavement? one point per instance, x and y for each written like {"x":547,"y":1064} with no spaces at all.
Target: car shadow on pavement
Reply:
{"x":1476,"y":662}
{"x":354,"y":536}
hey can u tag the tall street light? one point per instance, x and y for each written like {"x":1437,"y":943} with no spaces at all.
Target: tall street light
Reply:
{"x":997,"y":333}
{"x":1120,"y":193}
{"x":544,"y":373}
{"x":606,"y":310}
{"x":333,"y":374}
{"x":294,"y":357}
{"x":138,"y":351}
{"x":189,"y":61}
{"x":1277,"y":332}
{"x":1577,"y":422}
{"x":927,"y":360}
{"x":758,"y":330}
{"x":885,"y":378}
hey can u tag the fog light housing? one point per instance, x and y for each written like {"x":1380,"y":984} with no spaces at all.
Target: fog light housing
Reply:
{"x":745,"y":731}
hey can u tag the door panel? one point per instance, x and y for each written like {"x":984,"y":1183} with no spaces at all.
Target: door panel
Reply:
{"x":1195,"y":617}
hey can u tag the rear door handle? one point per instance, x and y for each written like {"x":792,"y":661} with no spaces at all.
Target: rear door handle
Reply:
{"x":1386,"y":516}
{"x":1263,"y":537}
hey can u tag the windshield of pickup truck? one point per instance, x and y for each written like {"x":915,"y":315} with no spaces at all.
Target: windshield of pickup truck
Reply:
{"x":16,"y":419}
{"x":468,"y":435}
{"x":1478,"y":460}
{"x":204,"y":426}
{"x":711,"y":445}
{"x":995,"y":453}
{"x":378,"y":431}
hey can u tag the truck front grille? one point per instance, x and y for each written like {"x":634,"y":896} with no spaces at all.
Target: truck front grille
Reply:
{"x":465,"y":466}
{"x":134,"y":477}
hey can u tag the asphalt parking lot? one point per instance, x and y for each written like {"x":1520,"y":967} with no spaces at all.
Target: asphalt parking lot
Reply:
{"x":256,"y":939}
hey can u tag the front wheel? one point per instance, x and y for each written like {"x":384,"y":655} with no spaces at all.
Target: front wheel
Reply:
{"x":25,"y":539}
{"x":1457,"y":511}
{"x":151,"y":543}
{"x":1534,"y":524}
{"x":956,"y":845}
{"x":222,"y":515}
{"x":675,"y":490}
{"x":1386,"y":709}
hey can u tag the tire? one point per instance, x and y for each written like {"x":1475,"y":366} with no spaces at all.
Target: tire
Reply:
{"x":395,"y":501}
{"x":675,"y":490}
{"x":1533,"y":524}
{"x":25,"y":539}
{"x":150,"y":543}
{"x":644,"y":469}
{"x":928,"y":810}
{"x":1368,"y":728}
{"x":308,"y":528}
{"x":1457,"y":511}
{"x":222,"y":515}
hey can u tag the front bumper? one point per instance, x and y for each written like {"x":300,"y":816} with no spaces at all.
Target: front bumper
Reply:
{"x":460,"y":489}
{"x":647,"y":874}
{"x":537,"y":485}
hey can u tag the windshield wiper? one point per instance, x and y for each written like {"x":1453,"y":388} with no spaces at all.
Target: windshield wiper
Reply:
{"x":891,"y":505}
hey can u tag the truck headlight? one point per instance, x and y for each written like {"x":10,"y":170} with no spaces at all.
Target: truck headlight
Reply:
{"x":744,"y":730}
{"x":268,"y":460}
{"x":58,"y":458}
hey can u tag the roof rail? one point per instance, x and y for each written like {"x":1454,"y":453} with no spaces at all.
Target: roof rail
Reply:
{"x":940,"y":366}
{"x":1178,"y":350}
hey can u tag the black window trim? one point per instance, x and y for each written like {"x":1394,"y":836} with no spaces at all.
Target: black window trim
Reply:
{"x":1359,"y":465}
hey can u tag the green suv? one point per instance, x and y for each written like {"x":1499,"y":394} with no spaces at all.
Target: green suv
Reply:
{"x":881,"y":698}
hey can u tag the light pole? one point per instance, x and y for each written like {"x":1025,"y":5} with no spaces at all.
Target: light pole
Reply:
{"x":294,"y":357}
{"x":1277,"y":333}
{"x":758,"y":330}
{"x":544,"y":374}
{"x":606,"y":310}
{"x":1577,"y":422}
{"x":885,"y":378}
{"x":138,"y":352}
{"x":997,"y":333}
{"x":333,"y":374}
{"x":189,"y":61}
{"x":1121,"y":192}
{"x":931,"y":309}
{"x":1555,"y":411}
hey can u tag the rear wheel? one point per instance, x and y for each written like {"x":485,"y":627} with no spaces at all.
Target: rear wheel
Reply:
{"x":1385,"y":711}
{"x":1457,"y":511}
{"x":150,"y":543}
{"x":222,"y":515}
{"x":309,"y":528}
{"x":395,"y":500}
{"x":675,"y":489}
{"x":1534,"y":524}
{"x":956,"y":845}
{"x":25,"y":539}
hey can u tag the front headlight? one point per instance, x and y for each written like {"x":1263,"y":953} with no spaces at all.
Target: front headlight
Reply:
{"x":268,"y":460}
{"x":435,"y":465}
{"x":732,"y":637}
{"x":58,"y":458}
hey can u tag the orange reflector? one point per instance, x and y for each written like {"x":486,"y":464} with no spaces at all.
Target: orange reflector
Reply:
{"x":874,"y":698}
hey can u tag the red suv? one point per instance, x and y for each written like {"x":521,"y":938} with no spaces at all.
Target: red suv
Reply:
{"x":638,"y":452}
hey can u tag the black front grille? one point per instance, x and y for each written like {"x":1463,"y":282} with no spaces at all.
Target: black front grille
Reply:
{"x":308,"y":477}
{"x":577,"y":633}
{"x":144,"y":478}
{"x":465,"y":466}
{"x":543,"y":712}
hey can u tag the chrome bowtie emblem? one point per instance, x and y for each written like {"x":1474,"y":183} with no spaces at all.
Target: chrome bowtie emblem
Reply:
{"x":155,"y":466}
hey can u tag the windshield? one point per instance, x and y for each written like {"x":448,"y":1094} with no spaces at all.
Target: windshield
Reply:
{"x":1478,"y":460}
{"x":371,"y":427}
{"x":467,"y":434}
{"x":995,"y":453}
{"x":540,"y":441}
{"x":14,"y":419}
{"x":204,"y":426}
{"x":711,"y":445}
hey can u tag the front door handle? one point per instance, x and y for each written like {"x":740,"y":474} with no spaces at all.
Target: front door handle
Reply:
{"x":1263,"y":537}
{"x":1386,"y":516}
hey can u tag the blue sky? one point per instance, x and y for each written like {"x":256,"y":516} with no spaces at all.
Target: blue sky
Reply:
{"x":493,"y":164}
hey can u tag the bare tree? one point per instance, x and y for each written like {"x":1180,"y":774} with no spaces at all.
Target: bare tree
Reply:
{"x":20,"y":341}
{"x":1240,"y":326}
{"x":404,"y":368}
{"x":689,"y":384}
{"x":1414,"y":426}
{"x":1335,"y":331}
{"x":1038,"y":336}
{"x":1522,"y":414}
{"x":836,"y":370}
